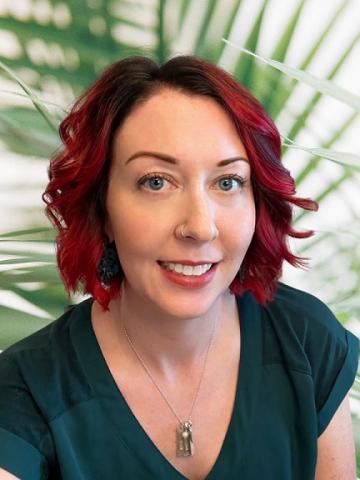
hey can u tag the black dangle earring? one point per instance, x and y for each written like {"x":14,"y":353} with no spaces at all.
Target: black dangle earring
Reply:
{"x":109,"y":265}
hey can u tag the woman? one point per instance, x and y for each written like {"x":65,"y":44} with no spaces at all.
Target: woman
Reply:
{"x":190,"y":359}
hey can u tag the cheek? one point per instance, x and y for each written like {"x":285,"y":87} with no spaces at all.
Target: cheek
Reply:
{"x":138,"y":234}
{"x":239,"y":222}
{"x":131,"y":230}
{"x":125,"y":219}
{"x":237,"y":233}
{"x":133,"y":216}
{"x":249,"y":229}
{"x":136,"y":246}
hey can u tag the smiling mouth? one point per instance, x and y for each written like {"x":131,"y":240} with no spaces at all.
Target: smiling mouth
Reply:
{"x":181,"y":273}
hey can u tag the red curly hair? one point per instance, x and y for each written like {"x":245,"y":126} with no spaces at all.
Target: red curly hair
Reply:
{"x":78,"y":174}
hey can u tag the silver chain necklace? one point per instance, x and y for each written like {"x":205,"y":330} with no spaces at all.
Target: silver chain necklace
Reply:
{"x":184,"y":438}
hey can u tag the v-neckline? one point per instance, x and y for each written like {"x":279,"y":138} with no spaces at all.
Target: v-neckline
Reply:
{"x":127,"y":427}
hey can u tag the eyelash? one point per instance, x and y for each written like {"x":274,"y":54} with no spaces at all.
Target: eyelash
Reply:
{"x":240,"y":180}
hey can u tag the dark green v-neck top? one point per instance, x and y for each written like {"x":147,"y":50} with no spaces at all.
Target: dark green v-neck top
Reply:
{"x":63,"y":417}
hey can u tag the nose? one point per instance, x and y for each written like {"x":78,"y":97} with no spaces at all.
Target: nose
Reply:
{"x":199,"y":223}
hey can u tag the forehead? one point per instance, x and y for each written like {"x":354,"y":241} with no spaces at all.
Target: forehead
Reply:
{"x":179,"y":124}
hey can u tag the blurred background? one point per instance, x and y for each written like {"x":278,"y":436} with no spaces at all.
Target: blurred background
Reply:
{"x":50,"y":51}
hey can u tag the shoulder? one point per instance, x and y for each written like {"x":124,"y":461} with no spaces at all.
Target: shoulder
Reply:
{"x":300,"y":307}
{"x":301,"y":331}
{"x":48,"y":339}
{"x":41,"y":362}
{"x":301,"y":321}
{"x":32,"y":356}
{"x":44,"y":337}
{"x":298,"y":317}
{"x":40,"y":379}
{"x":31,"y":351}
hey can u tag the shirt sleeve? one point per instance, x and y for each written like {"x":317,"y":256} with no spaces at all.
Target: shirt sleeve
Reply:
{"x":24,"y":434}
{"x":334,"y":362}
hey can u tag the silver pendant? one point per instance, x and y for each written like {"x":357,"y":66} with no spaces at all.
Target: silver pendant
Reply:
{"x":184,"y":440}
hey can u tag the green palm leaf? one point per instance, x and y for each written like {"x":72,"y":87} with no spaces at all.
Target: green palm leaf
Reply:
{"x":323,"y":86}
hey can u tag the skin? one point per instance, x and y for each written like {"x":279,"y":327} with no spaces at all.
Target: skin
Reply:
{"x":336,"y":447}
{"x":5,"y":475}
{"x":170,"y":324}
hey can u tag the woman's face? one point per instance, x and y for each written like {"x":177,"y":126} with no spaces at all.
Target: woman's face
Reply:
{"x":149,"y":198}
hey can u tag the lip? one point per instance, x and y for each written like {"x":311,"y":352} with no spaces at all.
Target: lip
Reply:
{"x":188,"y":262}
{"x":192,"y":281}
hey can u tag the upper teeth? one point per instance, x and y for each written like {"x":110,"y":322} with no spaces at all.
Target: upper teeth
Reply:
{"x":187,"y":269}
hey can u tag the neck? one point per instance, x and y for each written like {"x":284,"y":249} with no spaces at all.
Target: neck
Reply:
{"x":164,"y":342}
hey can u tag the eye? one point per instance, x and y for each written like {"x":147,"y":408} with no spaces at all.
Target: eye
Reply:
{"x":157,"y":180}
{"x":229,"y":181}
{"x":154,"y":181}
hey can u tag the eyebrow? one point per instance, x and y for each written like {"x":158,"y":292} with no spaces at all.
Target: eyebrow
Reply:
{"x":174,"y":161}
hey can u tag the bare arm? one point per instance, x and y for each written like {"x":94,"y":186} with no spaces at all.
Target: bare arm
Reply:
{"x":336,"y":447}
{"x":4,"y":475}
